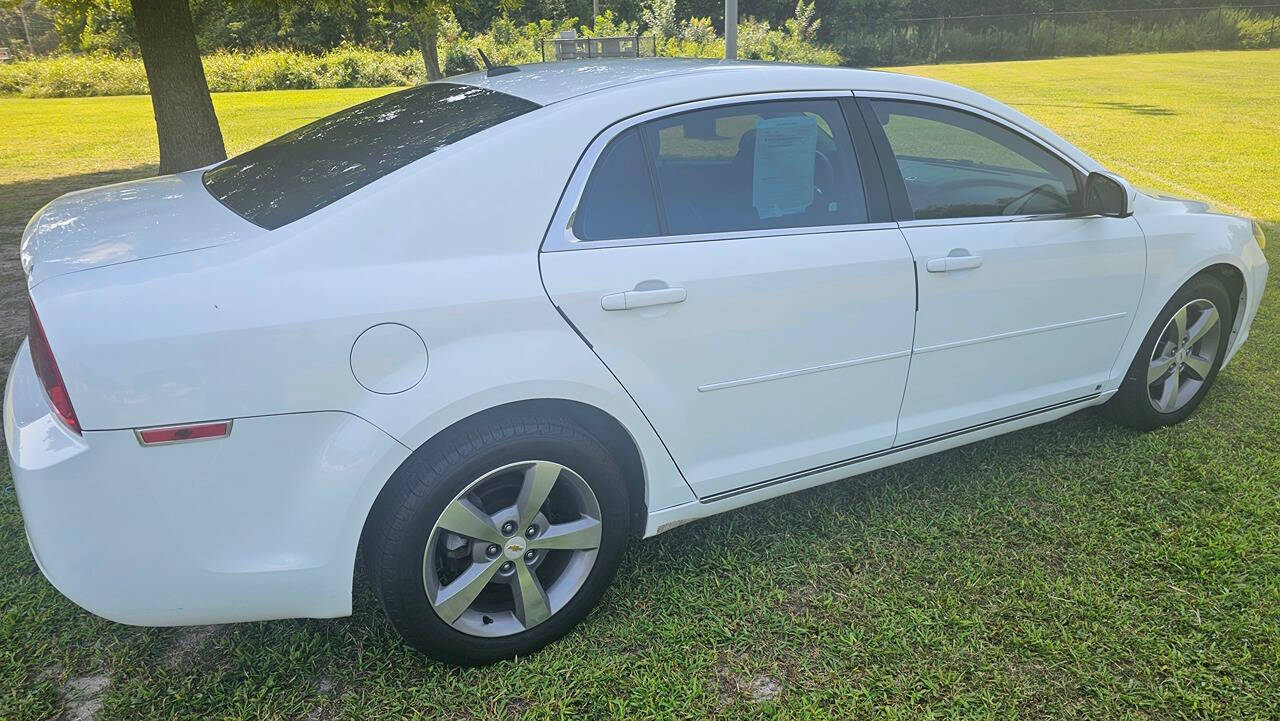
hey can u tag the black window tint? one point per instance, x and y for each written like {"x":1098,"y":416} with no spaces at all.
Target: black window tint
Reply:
{"x":783,"y":164}
{"x":958,"y":165}
{"x":317,"y":164}
{"x":618,"y":200}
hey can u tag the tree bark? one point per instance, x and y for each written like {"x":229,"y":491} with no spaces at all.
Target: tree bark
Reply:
{"x":427,"y":44}
{"x":185,"y":121}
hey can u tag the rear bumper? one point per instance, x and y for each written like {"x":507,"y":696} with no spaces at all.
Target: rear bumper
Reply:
{"x":262,"y":524}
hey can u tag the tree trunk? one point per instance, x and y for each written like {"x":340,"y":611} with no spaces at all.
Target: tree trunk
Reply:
{"x":185,"y":121}
{"x":430,"y":52}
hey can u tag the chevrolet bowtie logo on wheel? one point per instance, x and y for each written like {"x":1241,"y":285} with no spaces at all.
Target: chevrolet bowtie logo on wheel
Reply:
{"x":515,"y":548}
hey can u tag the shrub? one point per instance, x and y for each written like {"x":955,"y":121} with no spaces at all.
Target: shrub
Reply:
{"x":73,"y":75}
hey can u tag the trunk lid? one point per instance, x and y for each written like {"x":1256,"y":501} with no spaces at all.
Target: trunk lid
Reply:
{"x":127,"y":222}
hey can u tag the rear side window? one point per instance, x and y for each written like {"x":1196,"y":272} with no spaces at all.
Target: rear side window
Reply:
{"x":618,"y":201}
{"x":304,"y":170}
{"x":958,"y":165}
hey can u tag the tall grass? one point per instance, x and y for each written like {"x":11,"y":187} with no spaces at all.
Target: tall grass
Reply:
{"x":1017,"y":37}
{"x":344,"y":67}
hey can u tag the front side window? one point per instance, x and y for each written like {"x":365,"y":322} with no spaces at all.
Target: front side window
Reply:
{"x":306,"y":169}
{"x":959,"y":165}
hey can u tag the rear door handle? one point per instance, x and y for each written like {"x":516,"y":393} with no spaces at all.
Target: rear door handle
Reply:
{"x":643,"y":298}
{"x":953,"y":262}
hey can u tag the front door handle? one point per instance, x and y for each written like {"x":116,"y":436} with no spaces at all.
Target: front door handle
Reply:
{"x":953,"y":262}
{"x":643,"y":298}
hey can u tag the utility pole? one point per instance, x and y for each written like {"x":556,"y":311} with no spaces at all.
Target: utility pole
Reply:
{"x":26,"y":29}
{"x":595,"y":12}
{"x":730,"y":29}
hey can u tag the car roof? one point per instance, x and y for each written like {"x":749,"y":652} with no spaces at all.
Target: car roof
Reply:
{"x":552,"y":82}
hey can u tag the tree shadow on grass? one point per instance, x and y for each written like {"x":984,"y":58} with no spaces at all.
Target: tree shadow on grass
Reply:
{"x":18,"y":202}
{"x":1135,"y":108}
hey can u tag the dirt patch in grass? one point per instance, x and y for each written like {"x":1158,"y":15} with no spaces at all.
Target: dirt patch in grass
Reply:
{"x":187,"y":645}
{"x":83,"y":696}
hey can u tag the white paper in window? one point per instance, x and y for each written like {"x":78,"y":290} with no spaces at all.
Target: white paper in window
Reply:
{"x":782,"y":183}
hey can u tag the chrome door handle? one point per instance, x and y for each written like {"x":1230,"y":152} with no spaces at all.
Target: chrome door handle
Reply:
{"x":953,"y":262}
{"x":642,"y":298}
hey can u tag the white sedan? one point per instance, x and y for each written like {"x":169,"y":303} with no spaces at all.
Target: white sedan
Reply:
{"x":486,"y":329}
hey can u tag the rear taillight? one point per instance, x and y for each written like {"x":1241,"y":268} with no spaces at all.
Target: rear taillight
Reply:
{"x":47,"y":371}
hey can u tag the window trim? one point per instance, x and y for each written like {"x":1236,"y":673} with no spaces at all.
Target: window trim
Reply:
{"x":560,"y":235}
{"x":897,"y":187}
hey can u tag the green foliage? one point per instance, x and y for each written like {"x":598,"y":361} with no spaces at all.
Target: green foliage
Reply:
{"x":660,"y":17}
{"x":506,"y":42}
{"x":794,"y":43}
{"x":609,"y":24}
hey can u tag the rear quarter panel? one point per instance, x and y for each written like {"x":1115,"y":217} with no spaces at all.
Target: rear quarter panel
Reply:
{"x":447,"y":246}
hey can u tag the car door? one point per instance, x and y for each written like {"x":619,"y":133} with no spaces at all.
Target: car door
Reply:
{"x":1024,"y":302}
{"x":732,"y":264}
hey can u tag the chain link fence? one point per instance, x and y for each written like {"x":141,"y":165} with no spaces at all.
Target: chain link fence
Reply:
{"x":1051,"y":34}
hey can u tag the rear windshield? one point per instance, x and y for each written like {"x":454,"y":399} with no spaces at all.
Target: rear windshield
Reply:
{"x":304,"y":170}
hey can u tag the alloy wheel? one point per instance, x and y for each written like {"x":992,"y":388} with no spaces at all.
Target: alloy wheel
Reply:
{"x":512,"y":548}
{"x":1183,"y":356}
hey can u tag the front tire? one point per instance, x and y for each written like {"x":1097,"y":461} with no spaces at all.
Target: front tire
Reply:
{"x":1179,"y":359}
{"x":497,"y":537}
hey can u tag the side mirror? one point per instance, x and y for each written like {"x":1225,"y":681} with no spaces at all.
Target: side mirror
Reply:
{"x":1105,"y":195}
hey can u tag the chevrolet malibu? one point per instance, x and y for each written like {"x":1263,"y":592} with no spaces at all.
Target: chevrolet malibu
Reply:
{"x":485,"y":330}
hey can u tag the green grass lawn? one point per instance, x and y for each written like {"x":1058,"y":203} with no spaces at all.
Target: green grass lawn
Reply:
{"x":1076,"y":569}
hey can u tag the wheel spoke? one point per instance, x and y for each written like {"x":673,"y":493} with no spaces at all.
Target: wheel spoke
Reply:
{"x":1207,"y":320}
{"x":456,"y":597}
{"x":1169,"y":394}
{"x":463,"y":518}
{"x":1180,"y":322}
{"x":532,"y":606}
{"x":580,"y":535}
{"x":539,"y":479}
{"x":1158,"y":368}
{"x":1200,"y":365}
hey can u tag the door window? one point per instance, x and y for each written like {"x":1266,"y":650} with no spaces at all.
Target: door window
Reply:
{"x":779,"y":164}
{"x":958,"y":165}
{"x":754,"y":166}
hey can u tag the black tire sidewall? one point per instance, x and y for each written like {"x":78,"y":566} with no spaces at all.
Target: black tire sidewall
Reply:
{"x":429,"y":481}
{"x":1132,"y":402}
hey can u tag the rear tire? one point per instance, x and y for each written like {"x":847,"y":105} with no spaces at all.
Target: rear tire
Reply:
{"x":532,"y":591}
{"x":1179,"y":359}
